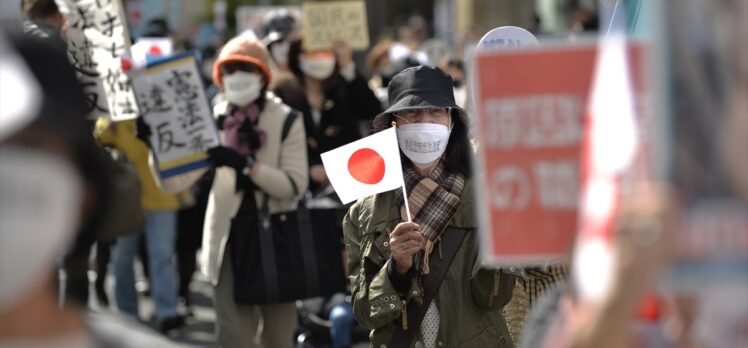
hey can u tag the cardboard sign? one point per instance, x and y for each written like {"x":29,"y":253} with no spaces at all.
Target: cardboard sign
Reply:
{"x":530,"y":126}
{"x":97,"y":40}
{"x":173,"y":102}
{"x":325,"y":22}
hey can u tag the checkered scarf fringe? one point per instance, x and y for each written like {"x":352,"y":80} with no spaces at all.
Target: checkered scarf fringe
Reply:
{"x":433,"y":200}
{"x":541,"y":279}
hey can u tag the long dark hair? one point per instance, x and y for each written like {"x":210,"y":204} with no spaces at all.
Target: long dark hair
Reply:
{"x":458,"y":154}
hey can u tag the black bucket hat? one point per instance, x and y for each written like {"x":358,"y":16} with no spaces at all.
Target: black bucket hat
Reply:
{"x":417,"y":88}
{"x":277,"y":25}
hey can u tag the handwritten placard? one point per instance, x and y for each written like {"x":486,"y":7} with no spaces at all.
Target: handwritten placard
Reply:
{"x":326,"y":22}
{"x":97,"y":40}
{"x":173,"y":103}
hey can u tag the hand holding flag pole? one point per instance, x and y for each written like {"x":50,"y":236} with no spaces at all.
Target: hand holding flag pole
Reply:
{"x":367,"y":167}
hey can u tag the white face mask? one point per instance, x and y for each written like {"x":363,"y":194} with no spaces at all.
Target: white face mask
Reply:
{"x":279,"y":51}
{"x":318,"y":67}
{"x":40,"y":196}
{"x":423,"y":143}
{"x":241,"y":88}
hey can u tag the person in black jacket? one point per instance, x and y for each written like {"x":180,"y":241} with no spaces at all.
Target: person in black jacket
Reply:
{"x":334,"y":97}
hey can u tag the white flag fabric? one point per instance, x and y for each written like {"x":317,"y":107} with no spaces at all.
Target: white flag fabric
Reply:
{"x":365,"y":167}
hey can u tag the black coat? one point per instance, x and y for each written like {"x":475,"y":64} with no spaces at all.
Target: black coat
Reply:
{"x":346,"y":106}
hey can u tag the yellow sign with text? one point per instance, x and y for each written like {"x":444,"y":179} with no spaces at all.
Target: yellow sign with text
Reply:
{"x":326,"y":22}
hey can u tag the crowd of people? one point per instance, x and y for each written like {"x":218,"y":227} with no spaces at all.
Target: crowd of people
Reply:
{"x":76,"y":188}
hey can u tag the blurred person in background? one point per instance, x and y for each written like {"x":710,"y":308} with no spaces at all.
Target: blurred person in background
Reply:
{"x":333,"y":97}
{"x":583,"y":21}
{"x":43,"y":19}
{"x":53,"y":184}
{"x":456,"y":70}
{"x":263,"y":157}
{"x":207,"y":59}
{"x":278,"y":27}
{"x":384,"y":64}
{"x":159,"y":233}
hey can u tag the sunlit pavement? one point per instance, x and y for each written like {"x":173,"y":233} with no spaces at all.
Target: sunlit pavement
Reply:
{"x":199,"y":330}
{"x":200,"y":326}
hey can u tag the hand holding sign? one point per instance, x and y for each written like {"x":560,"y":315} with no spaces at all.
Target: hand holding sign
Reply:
{"x":343,"y":53}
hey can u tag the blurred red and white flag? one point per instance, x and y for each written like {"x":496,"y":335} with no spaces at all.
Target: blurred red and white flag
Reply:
{"x":365,"y":167}
{"x":609,"y":149}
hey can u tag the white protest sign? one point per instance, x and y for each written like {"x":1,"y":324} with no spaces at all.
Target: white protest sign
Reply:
{"x":507,"y":37}
{"x":325,"y":22}
{"x":97,"y":39}
{"x":173,"y":103}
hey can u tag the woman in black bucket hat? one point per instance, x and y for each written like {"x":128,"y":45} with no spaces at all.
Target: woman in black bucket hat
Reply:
{"x":418,"y":283}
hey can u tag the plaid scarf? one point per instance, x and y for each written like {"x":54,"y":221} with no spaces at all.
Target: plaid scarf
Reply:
{"x":241,"y":132}
{"x":433,"y":200}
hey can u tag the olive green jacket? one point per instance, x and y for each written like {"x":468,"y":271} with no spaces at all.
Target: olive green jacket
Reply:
{"x":469,"y":299}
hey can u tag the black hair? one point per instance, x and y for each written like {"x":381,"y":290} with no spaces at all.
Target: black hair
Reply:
{"x":38,"y":9}
{"x":459,"y":154}
{"x":157,"y":27}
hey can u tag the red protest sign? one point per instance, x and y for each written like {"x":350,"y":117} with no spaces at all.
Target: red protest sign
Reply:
{"x":530,"y":121}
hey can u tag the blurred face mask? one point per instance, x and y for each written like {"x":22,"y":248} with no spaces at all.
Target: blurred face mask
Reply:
{"x":241,"y":88}
{"x":279,"y":51}
{"x":317,"y":65}
{"x":40,"y":201}
{"x":423,"y":143}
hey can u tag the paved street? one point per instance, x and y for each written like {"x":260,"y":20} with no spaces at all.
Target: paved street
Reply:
{"x":200,"y":328}
{"x":199,"y":331}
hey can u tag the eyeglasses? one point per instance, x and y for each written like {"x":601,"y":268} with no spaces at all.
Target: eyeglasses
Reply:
{"x":411,"y":114}
{"x":232,"y":67}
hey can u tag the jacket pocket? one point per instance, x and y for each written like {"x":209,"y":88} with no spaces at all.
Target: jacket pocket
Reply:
{"x":375,"y":252}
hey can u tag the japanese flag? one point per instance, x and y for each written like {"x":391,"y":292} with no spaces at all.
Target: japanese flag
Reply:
{"x":365,"y":167}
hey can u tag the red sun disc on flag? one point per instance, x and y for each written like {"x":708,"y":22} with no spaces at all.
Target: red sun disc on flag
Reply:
{"x":366,"y":166}
{"x":155,"y":50}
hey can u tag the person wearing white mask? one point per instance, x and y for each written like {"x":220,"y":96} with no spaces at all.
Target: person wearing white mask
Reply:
{"x":263,"y":154}
{"x":419,"y":283}
{"x":278,"y":26}
{"x":334,"y":97}
{"x":53,"y":186}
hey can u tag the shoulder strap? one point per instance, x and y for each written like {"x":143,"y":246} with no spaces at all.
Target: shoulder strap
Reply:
{"x":266,"y":230}
{"x":290,"y":118}
{"x":451,"y":241}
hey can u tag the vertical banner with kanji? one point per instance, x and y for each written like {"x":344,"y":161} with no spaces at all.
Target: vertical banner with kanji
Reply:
{"x":97,"y":40}
{"x":173,"y":103}
{"x":325,"y":22}
{"x":530,"y":125}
